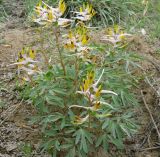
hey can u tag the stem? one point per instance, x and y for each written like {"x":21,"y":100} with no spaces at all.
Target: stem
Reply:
{"x":61,"y":58}
{"x":45,"y":57}
{"x":59,"y":51}
{"x":42,"y":49}
{"x":90,"y":103}
{"x":31,"y":80}
{"x":76,"y":73}
{"x":89,"y":124}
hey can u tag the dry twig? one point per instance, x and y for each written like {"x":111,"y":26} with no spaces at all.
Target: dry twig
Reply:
{"x":151,"y":148}
{"x":150,"y":114}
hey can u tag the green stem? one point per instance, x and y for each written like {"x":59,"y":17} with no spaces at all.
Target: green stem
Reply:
{"x":42,"y":48}
{"x":59,"y":51}
{"x":76,"y":73}
{"x":89,"y":124}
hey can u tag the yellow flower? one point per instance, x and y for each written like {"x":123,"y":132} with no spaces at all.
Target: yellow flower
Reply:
{"x":26,"y":62}
{"x":98,"y":92}
{"x":115,"y":36}
{"x":89,"y":88}
{"x":20,"y":60}
{"x":32,"y":54}
{"x":62,"y":6}
{"x":88,"y":82}
{"x":81,"y":28}
{"x":86,"y":12}
{"x":21,"y":53}
{"x":96,"y":106}
{"x":84,"y":39}
{"x":51,"y":17}
{"x":70,"y":45}
{"x":78,"y":120}
{"x":76,"y":41}
{"x":90,"y":77}
{"x":46,"y":14}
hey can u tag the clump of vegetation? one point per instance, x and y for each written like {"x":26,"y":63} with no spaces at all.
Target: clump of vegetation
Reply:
{"x":84,"y":102}
{"x":107,"y":11}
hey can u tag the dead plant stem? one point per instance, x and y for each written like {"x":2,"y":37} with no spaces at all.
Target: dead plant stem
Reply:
{"x":154,"y":123}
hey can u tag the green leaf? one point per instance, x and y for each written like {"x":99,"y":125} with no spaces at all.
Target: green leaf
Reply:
{"x":119,"y":131}
{"x":105,"y":124}
{"x":125,"y":129}
{"x":57,"y":145}
{"x":99,"y":141}
{"x":83,"y":144}
{"x":112,"y":127}
{"x":105,"y":141}
{"x":49,"y":75}
{"x":123,"y":98}
{"x":70,"y":131}
{"x":78,"y":136}
{"x":105,"y":145}
{"x":48,"y":145}
{"x":117,"y":142}
{"x":63,"y":122}
{"x":54,"y":100}
{"x":71,"y":153}
{"x":88,"y":136}
{"x":66,"y":146}
{"x":54,"y":154}
{"x":59,"y":91}
{"x":50,"y":133}
{"x":83,"y":136}
{"x":53,"y":118}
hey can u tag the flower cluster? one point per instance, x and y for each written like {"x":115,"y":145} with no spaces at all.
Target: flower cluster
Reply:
{"x":45,"y":14}
{"x":92,"y":91}
{"x":78,"y":42}
{"x":26,"y":63}
{"x":86,"y":13}
{"x":115,"y":36}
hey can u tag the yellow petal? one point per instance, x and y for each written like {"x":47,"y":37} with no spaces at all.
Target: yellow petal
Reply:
{"x":96,"y":106}
{"x":85,"y":39}
{"x":39,"y":4}
{"x":93,"y":12}
{"x":86,"y":85}
{"x":91,"y":77}
{"x":81,"y":9}
{"x":45,"y":6}
{"x":50,"y":15}
{"x":88,"y":7}
{"x":116,"y":29}
{"x":70,"y":35}
{"x":62,"y":6}
{"x":110,"y":31}
{"x":81,"y":88}
{"x":32,"y":54}
{"x":98,"y":92}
